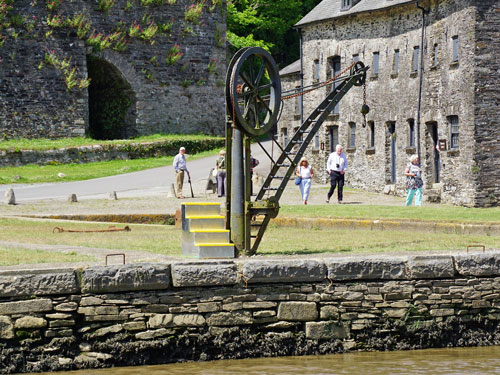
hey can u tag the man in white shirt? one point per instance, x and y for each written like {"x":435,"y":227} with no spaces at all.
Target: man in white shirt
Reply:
{"x":180,"y":166}
{"x":336,"y":167}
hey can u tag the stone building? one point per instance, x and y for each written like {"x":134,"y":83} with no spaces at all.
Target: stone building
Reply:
{"x":450,"y":100}
{"x":154,"y":66}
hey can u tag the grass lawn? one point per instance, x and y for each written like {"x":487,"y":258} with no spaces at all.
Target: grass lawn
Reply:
{"x":49,"y":144}
{"x":12,"y":256}
{"x":77,"y":172}
{"x":374,"y":212}
{"x":166,"y":240}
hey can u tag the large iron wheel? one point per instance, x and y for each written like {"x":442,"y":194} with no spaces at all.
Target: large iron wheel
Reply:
{"x":255,"y":91}
{"x":358,"y":69}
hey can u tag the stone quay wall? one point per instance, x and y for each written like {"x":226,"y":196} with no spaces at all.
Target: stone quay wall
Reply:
{"x":96,"y":153}
{"x":142,"y":314}
{"x":170,"y":90}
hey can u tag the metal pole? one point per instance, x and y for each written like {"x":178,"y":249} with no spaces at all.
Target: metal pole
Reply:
{"x":237,"y":192}
{"x":420,"y":80}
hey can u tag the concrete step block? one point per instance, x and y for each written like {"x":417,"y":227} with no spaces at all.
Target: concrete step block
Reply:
{"x":200,"y":208}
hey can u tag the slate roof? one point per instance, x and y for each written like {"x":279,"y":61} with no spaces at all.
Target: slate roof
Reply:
{"x":329,"y":9}
{"x":291,"y":69}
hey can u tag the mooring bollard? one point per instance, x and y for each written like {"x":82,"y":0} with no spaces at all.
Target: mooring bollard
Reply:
{"x":112,"y":196}
{"x":10,"y":197}
{"x":72,"y":198}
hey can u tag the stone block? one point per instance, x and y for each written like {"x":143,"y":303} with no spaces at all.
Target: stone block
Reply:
{"x":209,"y":307}
{"x":297,"y":311}
{"x":442,"y":312}
{"x":233,"y":318}
{"x":329,"y":312}
{"x":149,"y":335}
{"x":6,"y":328}
{"x":107,"y":330}
{"x":259,"y":305}
{"x":431,"y":267}
{"x":134,"y":326}
{"x":277,"y":271}
{"x":160,"y":321}
{"x":30,"y":306}
{"x":188,"y":320}
{"x":120,"y":278}
{"x":325,"y":331}
{"x":66,"y":307}
{"x":30,"y":322}
{"x":207,"y":273}
{"x":367,"y":268}
{"x":478,"y":264}
{"x":38,"y":282}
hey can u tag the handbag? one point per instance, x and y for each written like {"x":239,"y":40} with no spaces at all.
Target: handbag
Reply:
{"x":298,"y":180}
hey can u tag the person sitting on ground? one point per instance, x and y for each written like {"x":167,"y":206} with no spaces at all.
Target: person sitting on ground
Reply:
{"x":220,"y":165}
{"x":305,"y":172}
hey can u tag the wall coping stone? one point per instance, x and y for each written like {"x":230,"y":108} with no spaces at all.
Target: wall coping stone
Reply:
{"x":205,"y":273}
{"x":38,"y":282}
{"x":367,"y":268}
{"x":431,"y":267}
{"x":289,"y":270}
{"x":478,"y":264}
{"x":149,"y":276}
{"x":129,"y":277}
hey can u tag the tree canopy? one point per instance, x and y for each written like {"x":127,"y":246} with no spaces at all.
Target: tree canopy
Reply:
{"x":267,"y":24}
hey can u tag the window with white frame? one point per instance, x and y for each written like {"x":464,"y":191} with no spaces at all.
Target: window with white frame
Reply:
{"x":411,"y":132}
{"x":316,"y":70}
{"x":454,"y":132}
{"x":435,"y":55}
{"x":284,"y":136}
{"x":376,"y":59}
{"x":352,"y":135}
{"x":416,"y":54}
{"x":346,"y":4}
{"x":395,"y":67}
{"x":454,"y":40}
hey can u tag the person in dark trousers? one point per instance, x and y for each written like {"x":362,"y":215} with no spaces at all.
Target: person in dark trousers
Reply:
{"x":336,"y":167}
{"x":220,"y":165}
{"x":180,"y":167}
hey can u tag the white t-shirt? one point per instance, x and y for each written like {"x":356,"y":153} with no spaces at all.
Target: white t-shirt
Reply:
{"x":305,"y":172}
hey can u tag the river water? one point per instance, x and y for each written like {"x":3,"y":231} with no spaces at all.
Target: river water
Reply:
{"x":457,"y":361}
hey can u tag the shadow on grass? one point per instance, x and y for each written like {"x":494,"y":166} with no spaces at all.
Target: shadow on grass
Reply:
{"x":306,"y":252}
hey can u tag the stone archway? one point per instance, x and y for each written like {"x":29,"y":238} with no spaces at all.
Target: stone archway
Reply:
{"x":112,"y":101}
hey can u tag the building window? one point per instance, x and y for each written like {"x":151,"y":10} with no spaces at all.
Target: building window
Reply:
{"x":352,"y":135}
{"x":376,"y":58}
{"x":416,"y":51}
{"x":316,"y":141}
{"x":335,"y":69}
{"x":298,"y":102}
{"x":454,"y":131}
{"x":396,"y":61}
{"x":316,"y":70}
{"x":411,"y":132}
{"x":355,"y":57}
{"x":346,"y":4}
{"x":435,"y":55}
{"x":284,"y":136}
{"x":371,"y":134}
{"x":333,"y":137}
{"x":454,"y":40}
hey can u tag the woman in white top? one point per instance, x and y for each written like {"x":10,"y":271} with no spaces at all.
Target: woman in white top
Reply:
{"x":305,"y":172}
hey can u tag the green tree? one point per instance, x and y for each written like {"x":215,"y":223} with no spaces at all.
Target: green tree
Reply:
{"x":267,"y":24}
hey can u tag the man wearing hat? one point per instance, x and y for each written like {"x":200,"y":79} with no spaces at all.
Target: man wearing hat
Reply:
{"x":180,"y":167}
